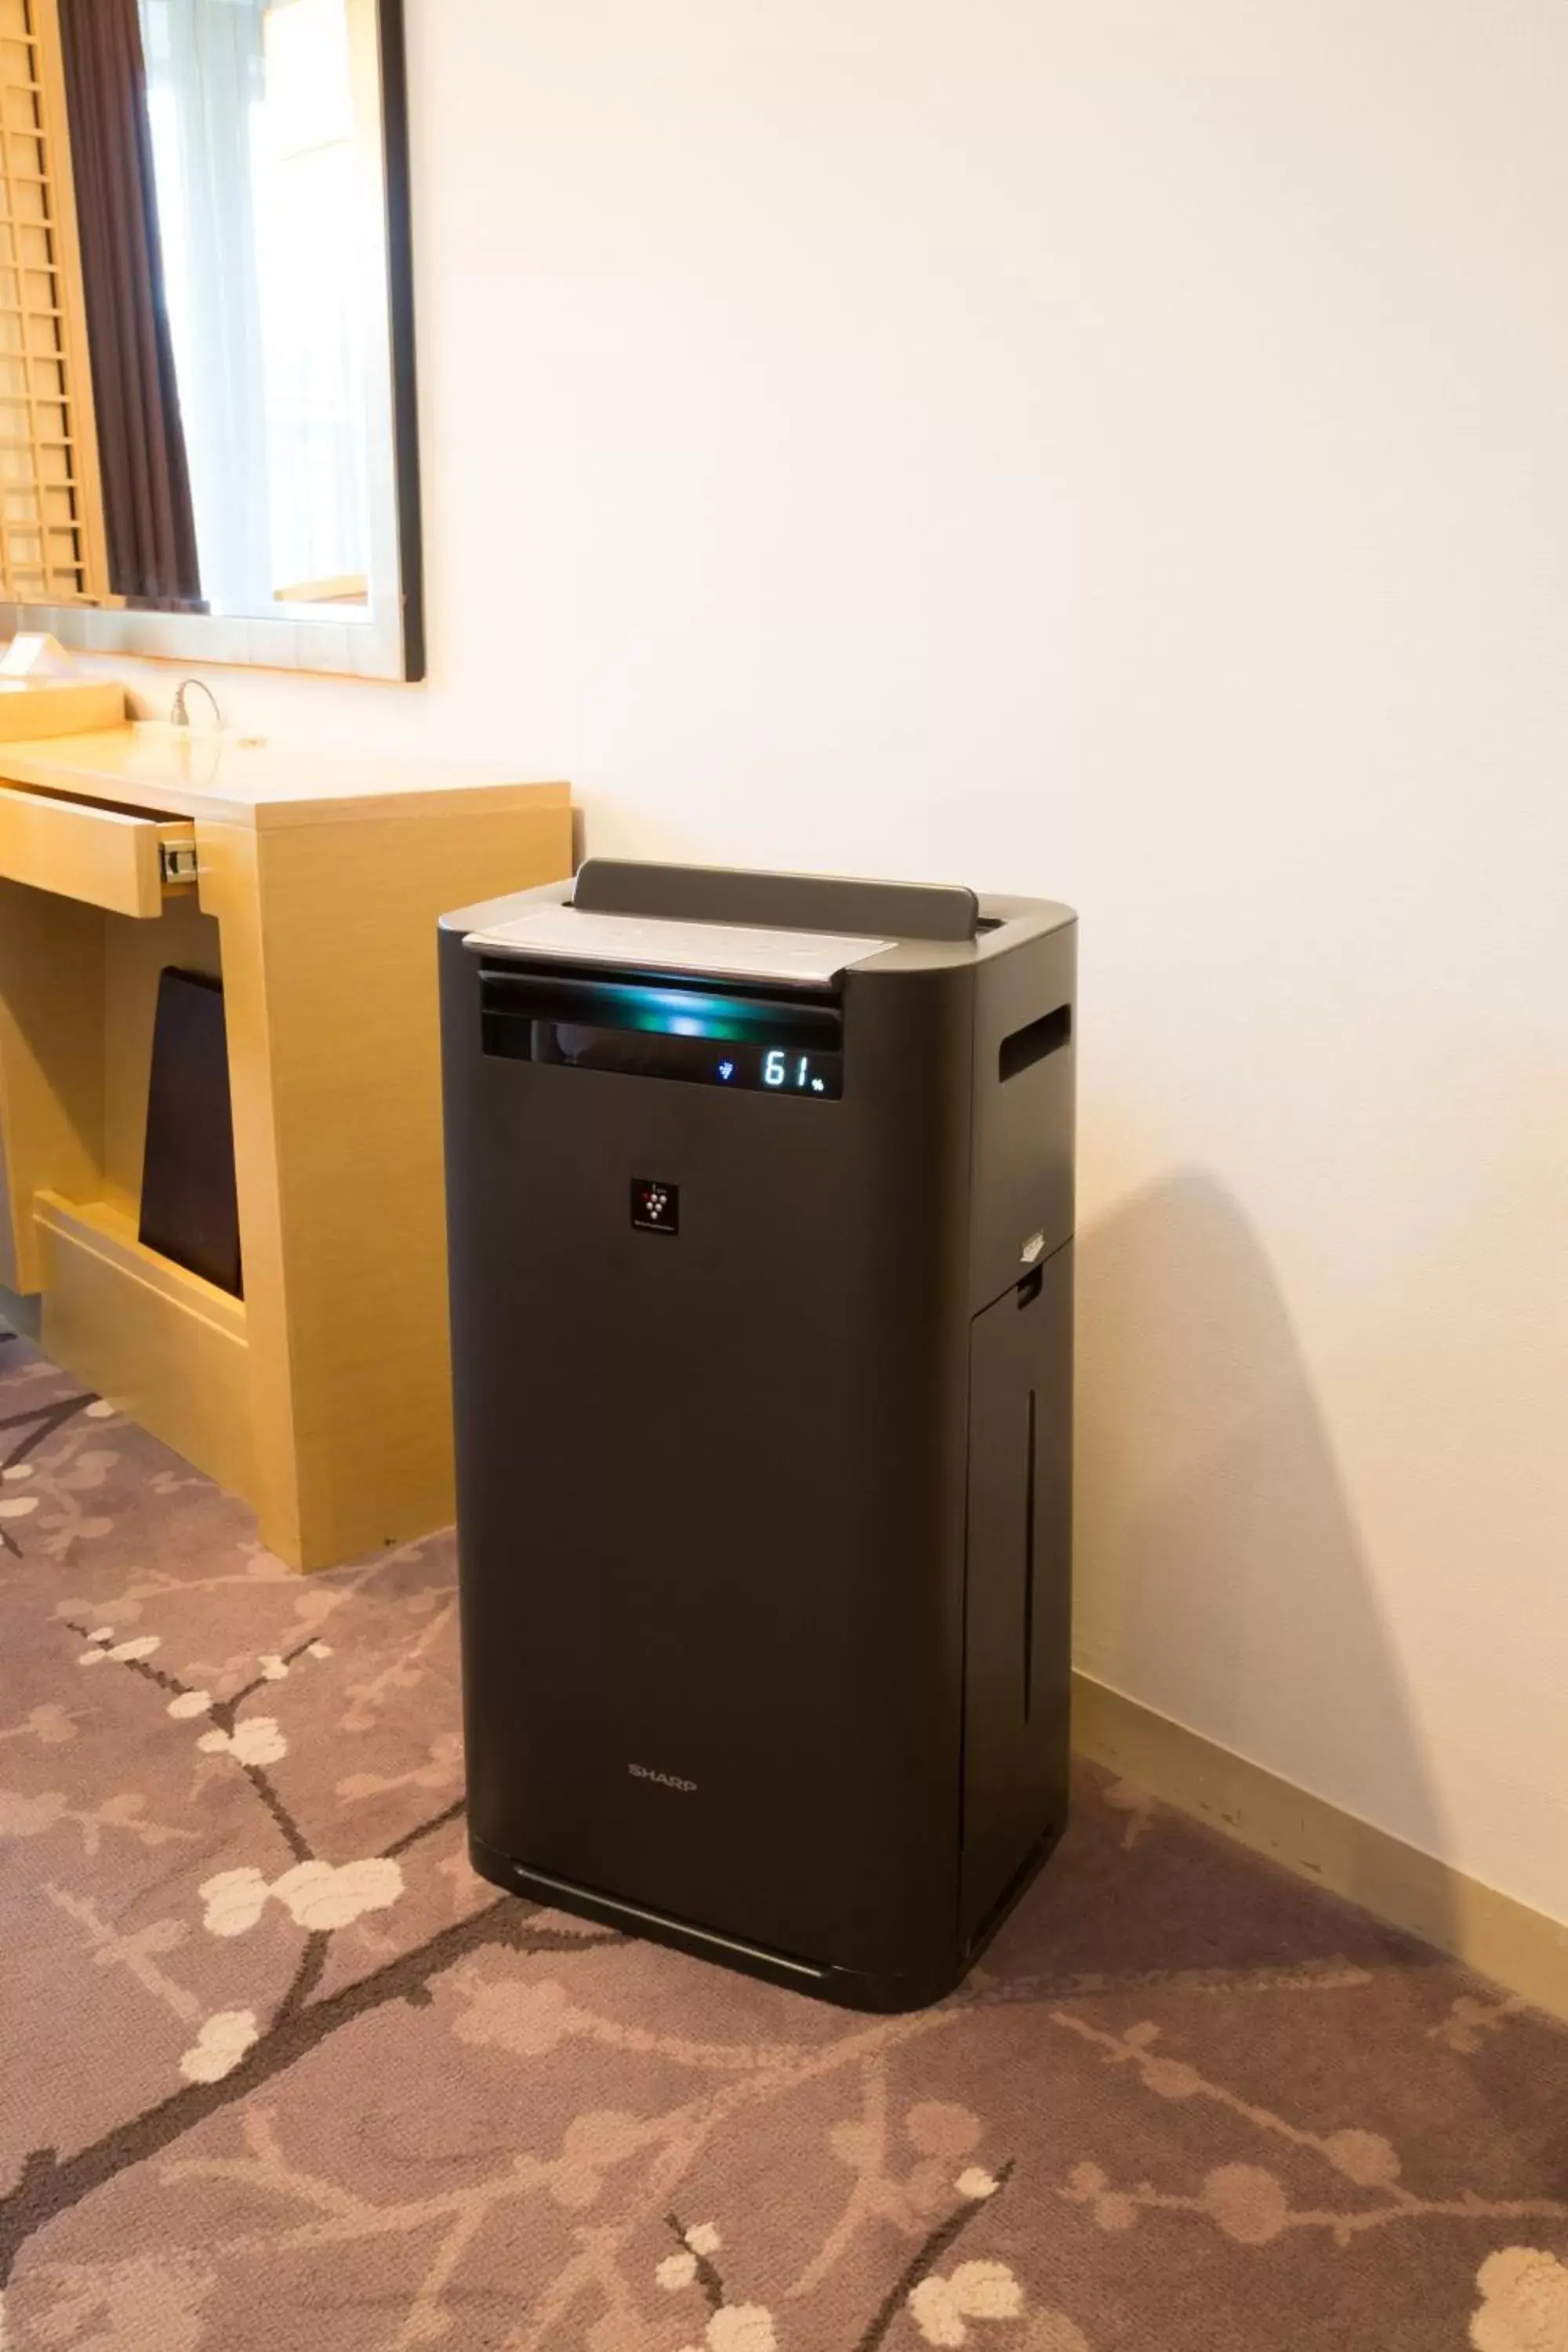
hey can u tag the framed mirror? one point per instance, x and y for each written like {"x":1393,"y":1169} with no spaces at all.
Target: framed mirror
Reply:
{"x":208,"y":444}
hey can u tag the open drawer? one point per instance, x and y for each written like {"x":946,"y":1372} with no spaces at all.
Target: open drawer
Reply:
{"x":102,"y":856}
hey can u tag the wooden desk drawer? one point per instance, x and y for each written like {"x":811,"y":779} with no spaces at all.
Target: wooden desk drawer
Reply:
{"x":103,"y":857}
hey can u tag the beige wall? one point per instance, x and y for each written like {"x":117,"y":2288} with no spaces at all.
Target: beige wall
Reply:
{"x":1120,"y":451}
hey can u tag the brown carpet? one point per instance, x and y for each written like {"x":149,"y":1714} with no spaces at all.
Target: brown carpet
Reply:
{"x":279,"y":2074}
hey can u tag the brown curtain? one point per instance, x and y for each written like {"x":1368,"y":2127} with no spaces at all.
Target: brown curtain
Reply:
{"x":141,"y":440}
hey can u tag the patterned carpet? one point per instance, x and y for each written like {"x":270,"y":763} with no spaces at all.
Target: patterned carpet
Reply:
{"x":280,"y":2075}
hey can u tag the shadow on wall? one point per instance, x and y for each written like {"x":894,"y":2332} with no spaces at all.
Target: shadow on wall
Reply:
{"x":1219,"y":1578}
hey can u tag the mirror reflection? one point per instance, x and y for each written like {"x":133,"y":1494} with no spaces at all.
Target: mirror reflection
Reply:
{"x":196,"y":409}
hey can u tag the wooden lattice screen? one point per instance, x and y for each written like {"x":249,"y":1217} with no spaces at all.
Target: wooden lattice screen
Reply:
{"x":52,"y":548}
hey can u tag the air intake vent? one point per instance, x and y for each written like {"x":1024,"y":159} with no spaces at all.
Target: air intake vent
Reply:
{"x":1025,"y":1047}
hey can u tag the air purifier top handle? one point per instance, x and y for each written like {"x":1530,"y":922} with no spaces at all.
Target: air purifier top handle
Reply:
{"x":813,"y":902}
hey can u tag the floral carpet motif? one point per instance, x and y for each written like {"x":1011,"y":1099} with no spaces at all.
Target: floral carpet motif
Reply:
{"x":280,"y":2074}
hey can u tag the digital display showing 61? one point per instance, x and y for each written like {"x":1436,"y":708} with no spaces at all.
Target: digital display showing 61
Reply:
{"x":777,"y":1070}
{"x":782,"y":1069}
{"x":802,"y":1071}
{"x":698,"y":1037}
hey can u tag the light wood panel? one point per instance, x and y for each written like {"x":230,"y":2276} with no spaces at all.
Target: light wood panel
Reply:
{"x":231,"y":890}
{"x":101,"y":856}
{"x":32,"y":709}
{"x":1486,"y":1929}
{"x":334,"y":1061}
{"x":168,"y":1348}
{"x":51,"y":1063}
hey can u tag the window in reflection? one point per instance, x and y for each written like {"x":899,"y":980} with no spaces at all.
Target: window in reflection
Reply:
{"x":250,"y":113}
{"x":206,"y":364}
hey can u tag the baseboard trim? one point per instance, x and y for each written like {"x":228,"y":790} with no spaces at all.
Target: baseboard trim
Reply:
{"x":1519,"y":1948}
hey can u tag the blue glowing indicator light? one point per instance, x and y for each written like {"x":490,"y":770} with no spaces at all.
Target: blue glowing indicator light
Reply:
{"x":687,"y":1013}
{"x":726,"y":1069}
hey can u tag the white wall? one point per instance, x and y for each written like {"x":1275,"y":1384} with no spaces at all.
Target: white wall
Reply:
{"x":1114,"y":450}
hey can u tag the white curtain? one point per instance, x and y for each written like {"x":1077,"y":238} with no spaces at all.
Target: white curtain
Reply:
{"x":204,"y":80}
{"x":308,"y":213}
{"x":254,"y":153}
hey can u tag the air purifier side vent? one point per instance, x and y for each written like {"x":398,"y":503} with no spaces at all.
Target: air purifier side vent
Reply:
{"x":1022,"y":1048}
{"x":1018,"y":1586}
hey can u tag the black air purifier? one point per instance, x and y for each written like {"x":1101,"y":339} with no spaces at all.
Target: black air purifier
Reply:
{"x":760,"y":1194}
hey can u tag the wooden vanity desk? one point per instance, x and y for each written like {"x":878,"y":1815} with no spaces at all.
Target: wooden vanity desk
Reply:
{"x":311,"y":881}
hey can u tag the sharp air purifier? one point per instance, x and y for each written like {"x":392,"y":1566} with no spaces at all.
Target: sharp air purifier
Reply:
{"x":760,"y":1195}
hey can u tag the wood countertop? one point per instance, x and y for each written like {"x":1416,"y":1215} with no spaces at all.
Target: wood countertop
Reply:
{"x":259,"y":783}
